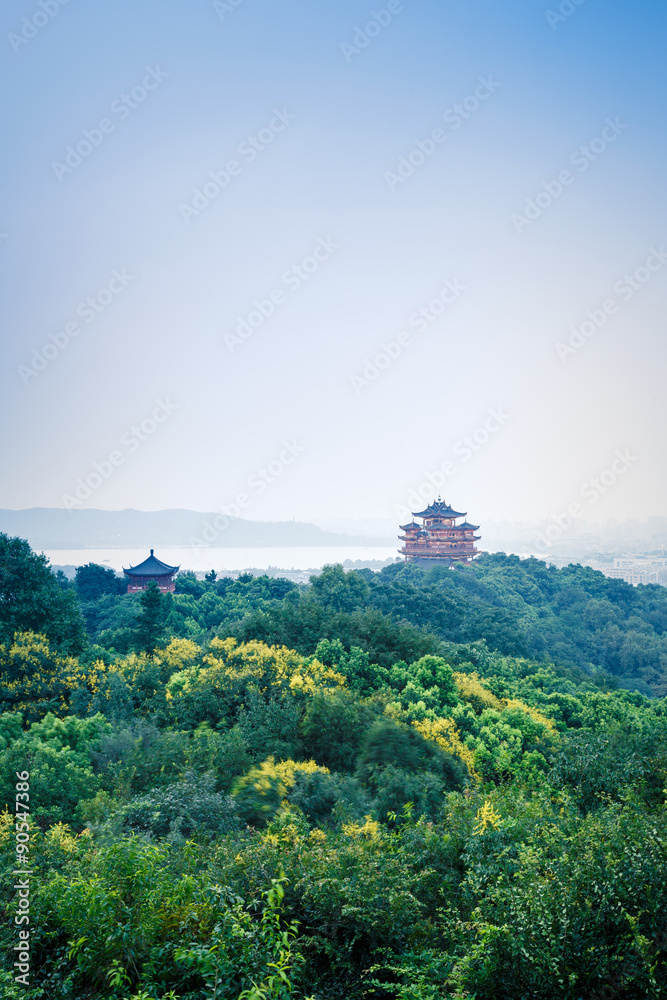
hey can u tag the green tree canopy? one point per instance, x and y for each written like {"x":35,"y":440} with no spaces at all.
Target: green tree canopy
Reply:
{"x":32,"y":600}
{"x":152,"y":618}
{"x":338,"y":590}
{"x":93,"y":581}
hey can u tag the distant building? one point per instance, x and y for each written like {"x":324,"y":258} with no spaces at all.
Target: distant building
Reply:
{"x":637,"y":570}
{"x":439,"y":540}
{"x":151,"y":569}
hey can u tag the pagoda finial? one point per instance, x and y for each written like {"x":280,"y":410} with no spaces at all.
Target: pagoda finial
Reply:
{"x":152,"y":551}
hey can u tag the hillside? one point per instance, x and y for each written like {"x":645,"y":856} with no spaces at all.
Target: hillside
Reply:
{"x":573,"y":617}
{"x":379,"y":785}
{"x":57,"y":528}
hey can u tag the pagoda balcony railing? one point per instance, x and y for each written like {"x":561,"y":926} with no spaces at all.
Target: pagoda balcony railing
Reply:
{"x":439,"y":548}
{"x":433,"y":551}
{"x":430,"y":553}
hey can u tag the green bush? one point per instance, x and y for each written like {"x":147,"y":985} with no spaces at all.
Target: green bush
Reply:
{"x":259,"y":793}
{"x":187,"y":809}
{"x":328,"y":799}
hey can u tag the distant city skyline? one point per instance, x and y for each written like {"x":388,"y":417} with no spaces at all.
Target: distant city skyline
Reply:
{"x":281,"y":262}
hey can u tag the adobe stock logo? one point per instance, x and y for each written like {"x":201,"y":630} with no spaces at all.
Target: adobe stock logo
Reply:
{"x":293,"y":278}
{"x":626,"y":288}
{"x":257,"y":483}
{"x":131,"y":441}
{"x":32,"y":25}
{"x":376,"y":24}
{"x":122,"y":108}
{"x":565,"y":9}
{"x":419,"y":320}
{"x":222,"y":7}
{"x":454,"y":117}
{"x":465,"y":448}
{"x":247,"y":151}
{"x":591,"y":491}
{"x":580,"y":158}
{"x":88,"y":309}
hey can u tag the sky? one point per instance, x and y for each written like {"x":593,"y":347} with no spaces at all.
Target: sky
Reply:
{"x":327,"y":260}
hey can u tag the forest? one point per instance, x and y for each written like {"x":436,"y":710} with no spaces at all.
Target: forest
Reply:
{"x":395,"y":785}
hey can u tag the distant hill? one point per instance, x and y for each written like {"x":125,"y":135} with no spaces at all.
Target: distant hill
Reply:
{"x":55,"y":528}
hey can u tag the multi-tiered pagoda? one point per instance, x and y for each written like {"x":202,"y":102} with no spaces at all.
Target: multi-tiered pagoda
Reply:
{"x":439,"y":540}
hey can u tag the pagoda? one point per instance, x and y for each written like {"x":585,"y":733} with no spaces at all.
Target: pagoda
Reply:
{"x":439,"y":540}
{"x":151,"y":569}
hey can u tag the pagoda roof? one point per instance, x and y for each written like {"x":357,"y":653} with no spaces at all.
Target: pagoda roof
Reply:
{"x":439,"y":508}
{"x":150,"y":567}
{"x":413,"y":526}
{"x":468,"y":527}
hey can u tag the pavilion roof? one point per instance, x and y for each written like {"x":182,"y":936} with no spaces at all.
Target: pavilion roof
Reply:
{"x":412,"y":526}
{"x":439,"y":508}
{"x":468,"y":527}
{"x":151,"y":567}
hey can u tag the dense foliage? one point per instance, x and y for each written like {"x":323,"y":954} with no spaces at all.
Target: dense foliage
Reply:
{"x":572,"y":617}
{"x":32,"y":597}
{"x":397,"y":786}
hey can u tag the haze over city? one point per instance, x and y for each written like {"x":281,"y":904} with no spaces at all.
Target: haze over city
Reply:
{"x":325,"y":261}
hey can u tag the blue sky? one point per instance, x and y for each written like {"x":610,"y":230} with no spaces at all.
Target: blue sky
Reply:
{"x":344,"y":397}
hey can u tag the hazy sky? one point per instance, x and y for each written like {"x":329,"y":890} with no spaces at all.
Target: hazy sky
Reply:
{"x":296,"y":256}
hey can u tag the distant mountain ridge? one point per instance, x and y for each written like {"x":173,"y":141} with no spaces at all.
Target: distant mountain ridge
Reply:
{"x":55,"y":528}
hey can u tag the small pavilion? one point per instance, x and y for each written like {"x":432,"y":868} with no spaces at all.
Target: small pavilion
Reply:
{"x":151,"y":569}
